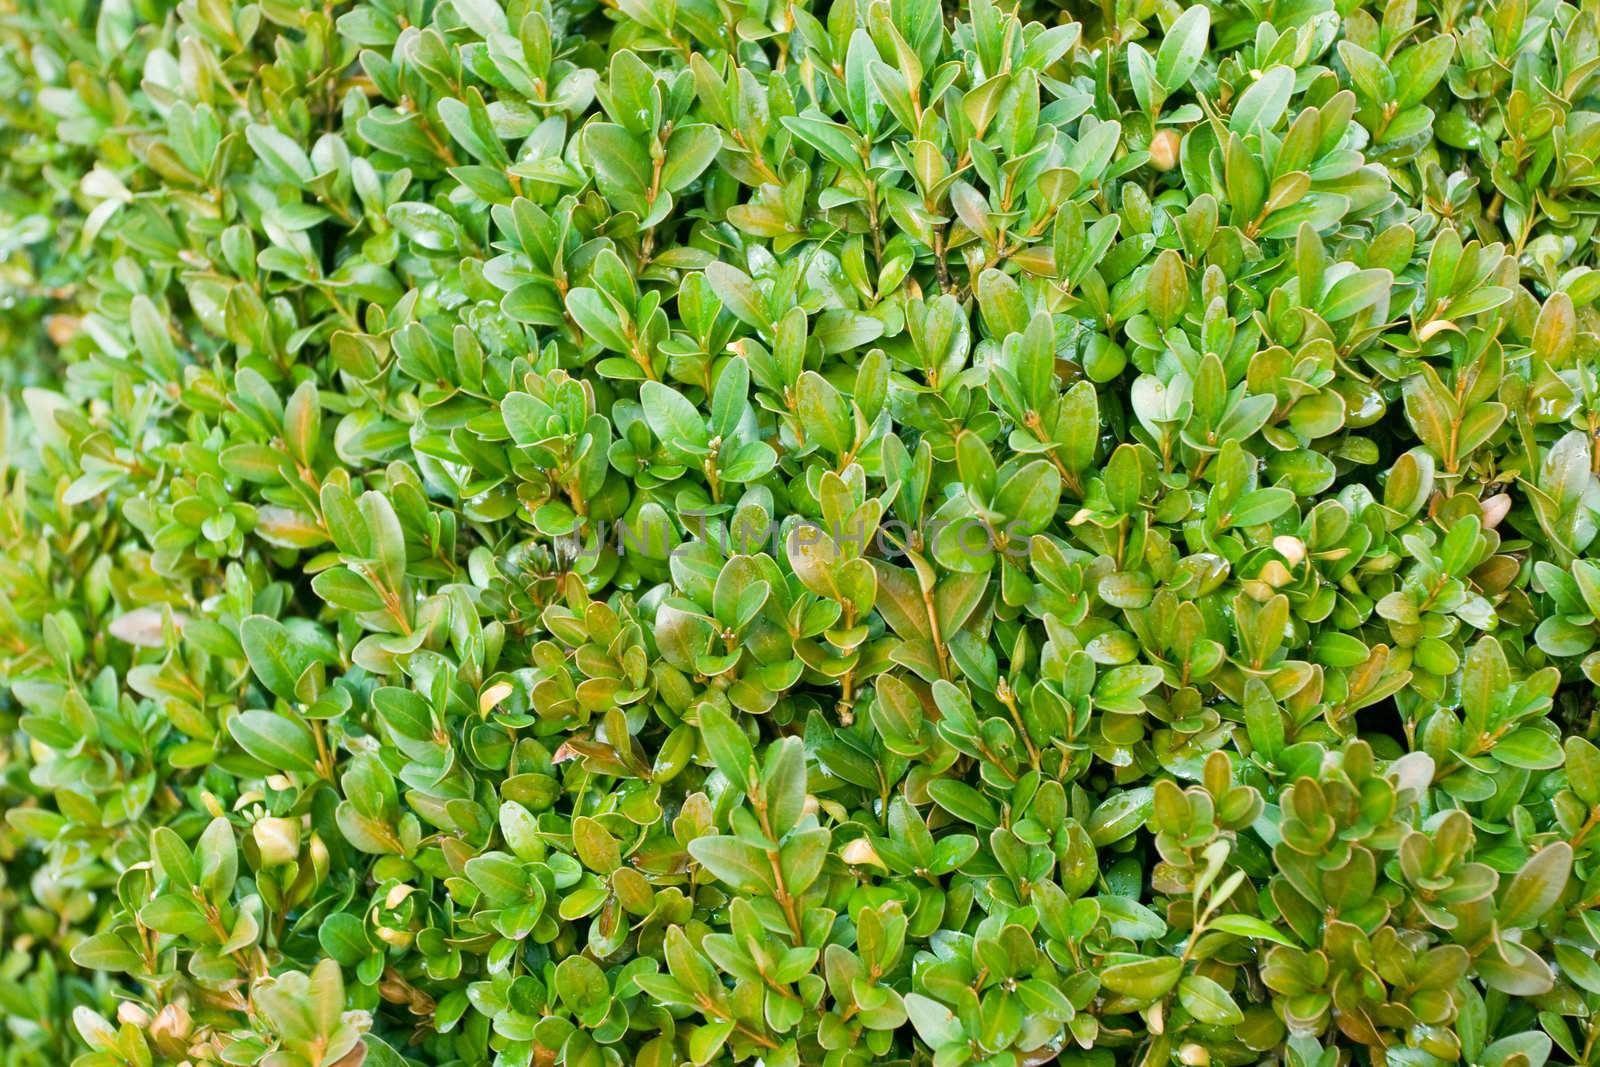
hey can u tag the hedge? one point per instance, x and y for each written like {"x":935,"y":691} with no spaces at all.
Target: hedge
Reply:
{"x":562,"y":534}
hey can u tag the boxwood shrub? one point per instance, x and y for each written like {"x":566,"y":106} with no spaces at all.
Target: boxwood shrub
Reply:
{"x":548,"y":533}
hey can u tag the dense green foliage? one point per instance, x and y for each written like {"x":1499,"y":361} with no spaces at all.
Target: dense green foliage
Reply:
{"x":538,"y":532}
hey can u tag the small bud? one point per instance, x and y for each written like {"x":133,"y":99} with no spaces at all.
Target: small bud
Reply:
{"x":491,"y":697}
{"x":352,"y":1058}
{"x":171,"y":1025}
{"x":398,"y":938}
{"x":320,"y":860}
{"x":1258,"y":589}
{"x":1275,"y":574}
{"x":394,"y":989}
{"x":1292,"y":549}
{"x":1193,"y":1055}
{"x":1494,"y":509}
{"x":1164,"y":149}
{"x":860,"y":852}
{"x":132,"y":1014}
{"x":278,"y":840}
{"x":1429,"y":330}
{"x":62,"y":328}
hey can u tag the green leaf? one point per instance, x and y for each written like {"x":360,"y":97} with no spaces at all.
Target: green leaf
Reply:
{"x":620,"y":162}
{"x":1145,"y":979}
{"x":1583,"y":769}
{"x":1260,"y":506}
{"x":276,"y":741}
{"x":1120,"y":815}
{"x":1208,"y":1002}
{"x":597,"y":318}
{"x":1355,"y":292}
{"x":742,"y":865}
{"x":738,"y":294}
{"x":674,"y":421}
{"x":281,"y":154}
{"x":824,"y":414}
{"x":344,"y":938}
{"x":597,"y":848}
{"x":800,"y":859}
{"x":502,"y":879}
{"x":274,"y":654}
{"x":690,"y":150}
{"x":107,"y":951}
{"x":1249,"y":926}
{"x":1167,"y":289}
{"x":387,"y":538}
{"x":963,"y":801}
{"x":1182,"y":48}
{"x":583,"y":989}
{"x":1536,"y":887}
{"x":1529,"y":748}
{"x":729,"y":747}
{"x":174,"y":862}
{"x":1263,"y":102}
{"x":834,"y":142}
{"x":218,"y":857}
{"x":936,"y":1024}
{"x":1419,"y":68}
{"x":1029,"y":498}
{"x":484,"y":16}
{"x":424,"y":225}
